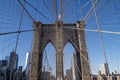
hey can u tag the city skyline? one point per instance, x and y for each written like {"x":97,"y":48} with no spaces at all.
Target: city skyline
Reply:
{"x":94,"y":48}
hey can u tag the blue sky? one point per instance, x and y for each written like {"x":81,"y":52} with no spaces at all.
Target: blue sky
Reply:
{"x":108,"y":13}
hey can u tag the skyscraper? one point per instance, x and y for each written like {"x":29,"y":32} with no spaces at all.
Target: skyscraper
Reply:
{"x":104,"y":69}
{"x":7,"y":58}
{"x":3,"y":63}
{"x":18,"y":74}
{"x":27,"y":64}
{"x":27,"y":60}
{"x":13,"y":61}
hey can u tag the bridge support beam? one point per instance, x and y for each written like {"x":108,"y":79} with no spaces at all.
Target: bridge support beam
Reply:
{"x":36,"y":61}
{"x":85,"y":69}
{"x":59,"y":34}
{"x":59,"y":51}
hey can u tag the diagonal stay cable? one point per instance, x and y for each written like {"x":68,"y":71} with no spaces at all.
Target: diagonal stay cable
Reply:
{"x":98,"y":25}
{"x":14,"y":32}
{"x":7,"y":40}
{"x":26,"y":11}
{"x":77,"y":48}
{"x":55,"y":9}
{"x":81,"y":14}
{"x":61,"y":12}
{"x":47,"y":7}
{"x":90,"y":10}
{"x":78,"y":68}
{"x":47,"y":58}
{"x":19,"y":27}
{"x":79,"y":10}
{"x":52,"y":8}
{"x":38,"y":11}
{"x":67,"y":7}
{"x":64,"y":7}
{"x":67,"y":36}
{"x":92,"y":30}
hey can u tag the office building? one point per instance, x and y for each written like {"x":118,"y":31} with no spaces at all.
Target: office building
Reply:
{"x":3,"y":69}
{"x":26,"y":60}
{"x":104,"y":69}
{"x":69,"y":75}
{"x":13,"y":61}
{"x":27,"y":64}
{"x":3,"y":63}
{"x":18,"y":74}
{"x":45,"y":75}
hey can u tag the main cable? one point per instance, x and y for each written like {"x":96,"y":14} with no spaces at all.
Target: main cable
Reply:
{"x":19,"y":27}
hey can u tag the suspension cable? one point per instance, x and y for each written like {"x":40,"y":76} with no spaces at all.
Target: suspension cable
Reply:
{"x":19,"y":27}
{"x":53,"y":9}
{"x":79,"y":10}
{"x":15,"y":32}
{"x":76,"y":47}
{"x":81,"y":14}
{"x":36,"y":7}
{"x":78,"y":67}
{"x":38,"y":11}
{"x":64,"y":9}
{"x":56,"y":12}
{"x":26,"y":11}
{"x":98,"y":25}
{"x":61,"y":12}
{"x":69,"y":7}
{"x":88,"y":13}
{"x":92,"y":30}
{"x":47,"y":8}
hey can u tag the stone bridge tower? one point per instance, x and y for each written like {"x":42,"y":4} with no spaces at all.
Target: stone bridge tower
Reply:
{"x":59,"y":34}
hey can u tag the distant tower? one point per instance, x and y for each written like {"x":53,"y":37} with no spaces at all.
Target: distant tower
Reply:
{"x":3,"y":63}
{"x":75,"y":72}
{"x":18,"y":74}
{"x":13,"y":64}
{"x":104,"y":69}
{"x":27,"y":64}
{"x":27,"y":60}
{"x":13,"y":61}
{"x":59,"y":17}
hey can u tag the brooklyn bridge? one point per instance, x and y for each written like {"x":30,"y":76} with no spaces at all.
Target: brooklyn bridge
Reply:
{"x":59,"y":39}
